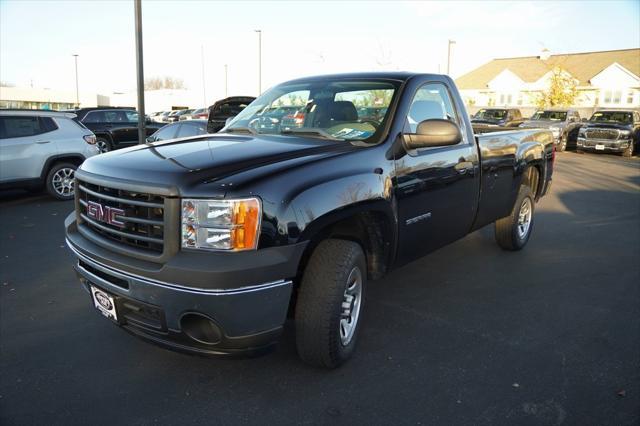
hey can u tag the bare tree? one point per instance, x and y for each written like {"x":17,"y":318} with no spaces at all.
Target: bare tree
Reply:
{"x":166,"y":82}
{"x":383,"y":57}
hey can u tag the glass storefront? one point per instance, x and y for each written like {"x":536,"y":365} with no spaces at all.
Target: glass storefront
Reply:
{"x":36,"y":105}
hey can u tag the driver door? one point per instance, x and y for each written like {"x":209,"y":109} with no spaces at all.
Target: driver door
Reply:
{"x":437,"y":188}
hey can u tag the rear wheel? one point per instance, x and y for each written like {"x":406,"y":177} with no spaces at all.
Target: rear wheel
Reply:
{"x":60,"y":181}
{"x":513,"y":231}
{"x":330,"y":302}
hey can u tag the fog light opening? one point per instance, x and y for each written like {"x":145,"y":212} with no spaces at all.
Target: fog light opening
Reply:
{"x":200,"y":328}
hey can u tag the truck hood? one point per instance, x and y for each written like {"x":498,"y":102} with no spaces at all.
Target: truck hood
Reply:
{"x":618,"y":126}
{"x":184,"y":164}
{"x":542,"y":124}
{"x":486,"y":121}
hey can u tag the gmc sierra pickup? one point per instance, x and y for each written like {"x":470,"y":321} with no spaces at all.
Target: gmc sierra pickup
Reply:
{"x":206,"y":244}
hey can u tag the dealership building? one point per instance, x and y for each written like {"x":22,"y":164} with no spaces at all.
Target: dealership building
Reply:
{"x":42,"y":98}
{"x":606,"y":79}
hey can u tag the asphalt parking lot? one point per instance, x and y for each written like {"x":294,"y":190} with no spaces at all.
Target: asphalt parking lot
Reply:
{"x":467,"y":335}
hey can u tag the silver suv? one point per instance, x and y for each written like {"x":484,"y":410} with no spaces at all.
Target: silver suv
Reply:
{"x":42,"y":148}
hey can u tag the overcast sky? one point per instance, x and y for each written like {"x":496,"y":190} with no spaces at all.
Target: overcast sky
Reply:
{"x":37,"y":38}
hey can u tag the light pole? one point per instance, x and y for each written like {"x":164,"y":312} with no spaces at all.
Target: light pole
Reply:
{"x":449,"y":56}
{"x":75,"y":56}
{"x":204,"y":90}
{"x":226,"y":76}
{"x":142,"y":137}
{"x":259,"y":61}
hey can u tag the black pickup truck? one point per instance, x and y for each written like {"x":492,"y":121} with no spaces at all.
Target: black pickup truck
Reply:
{"x":208,"y":244}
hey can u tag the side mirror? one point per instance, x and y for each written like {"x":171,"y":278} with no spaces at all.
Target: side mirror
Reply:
{"x":228,"y":120}
{"x":584,"y":119}
{"x":434,"y":132}
{"x":150,"y":139}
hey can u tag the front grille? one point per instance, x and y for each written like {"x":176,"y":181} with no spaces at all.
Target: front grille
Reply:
{"x":143,"y":219}
{"x":601,"y":134}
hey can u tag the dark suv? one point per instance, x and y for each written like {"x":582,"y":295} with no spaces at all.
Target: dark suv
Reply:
{"x":114,"y":127}
{"x":487,"y":119}
{"x":225,"y":109}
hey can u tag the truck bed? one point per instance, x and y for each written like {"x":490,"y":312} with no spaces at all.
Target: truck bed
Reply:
{"x":504,"y":155}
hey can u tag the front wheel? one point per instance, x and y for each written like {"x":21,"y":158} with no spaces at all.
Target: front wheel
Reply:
{"x":629,"y":151}
{"x":60,"y":181}
{"x":562,"y":146}
{"x":513,"y":231}
{"x":330,"y":303}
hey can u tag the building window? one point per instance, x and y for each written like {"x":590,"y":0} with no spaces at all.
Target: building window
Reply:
{"x":630,"y":97}
{"x":607,"y":97}
{"x":617,"y":96}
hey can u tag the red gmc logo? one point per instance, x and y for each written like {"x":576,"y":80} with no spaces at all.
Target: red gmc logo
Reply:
{"x":104,"y":214}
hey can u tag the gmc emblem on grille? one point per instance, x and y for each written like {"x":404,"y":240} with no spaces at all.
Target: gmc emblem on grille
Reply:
{"x":104,"y":214}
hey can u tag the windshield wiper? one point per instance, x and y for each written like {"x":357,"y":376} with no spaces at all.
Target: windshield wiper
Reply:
{"x":241,"y":129}
{"x":318,"y":133}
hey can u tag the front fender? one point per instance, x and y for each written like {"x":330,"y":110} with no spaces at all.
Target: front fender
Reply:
{"x":322,"y":204}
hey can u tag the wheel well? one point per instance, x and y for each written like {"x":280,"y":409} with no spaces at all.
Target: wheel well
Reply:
{"x":372,"y":230}
{"x":531,"y":179}
{"x":105,"y":136}
{"x":73,"y":159}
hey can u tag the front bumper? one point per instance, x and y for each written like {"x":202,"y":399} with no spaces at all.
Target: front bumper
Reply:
{"x":607,"y":145}
{"x":239,"y":319}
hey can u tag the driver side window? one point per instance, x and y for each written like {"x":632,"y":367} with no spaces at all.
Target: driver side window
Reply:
{"x":167,"y":132}
{"x":431,"y":101}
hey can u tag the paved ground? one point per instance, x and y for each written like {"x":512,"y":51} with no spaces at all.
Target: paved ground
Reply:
{"x":467,"y":335}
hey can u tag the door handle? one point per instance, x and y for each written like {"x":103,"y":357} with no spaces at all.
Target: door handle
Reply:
{"x":464,"y":167}
{"x":42,"y":142}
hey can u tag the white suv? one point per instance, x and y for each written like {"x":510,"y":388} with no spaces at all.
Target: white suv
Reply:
{"x":42,"y":148}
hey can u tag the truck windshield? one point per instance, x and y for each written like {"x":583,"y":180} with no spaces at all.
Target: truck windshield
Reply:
{"x":622,"y":117}
{"x":490,"y":114}
{"x":328,"y":109}
{"x":550,"y":115}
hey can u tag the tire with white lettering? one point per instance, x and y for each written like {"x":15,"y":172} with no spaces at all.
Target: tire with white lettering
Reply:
{"x":330,"y":303}
{"x":513,"y":231}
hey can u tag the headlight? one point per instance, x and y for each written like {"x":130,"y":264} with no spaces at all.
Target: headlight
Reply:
{"x":555,"y":130}
{"x":625,"y":132}
{"x":581,"y":132}
{"x":221,"y":224}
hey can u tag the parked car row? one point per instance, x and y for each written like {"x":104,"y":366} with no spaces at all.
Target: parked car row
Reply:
{"x":615,"y":131}
{"x":43,"y":148}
